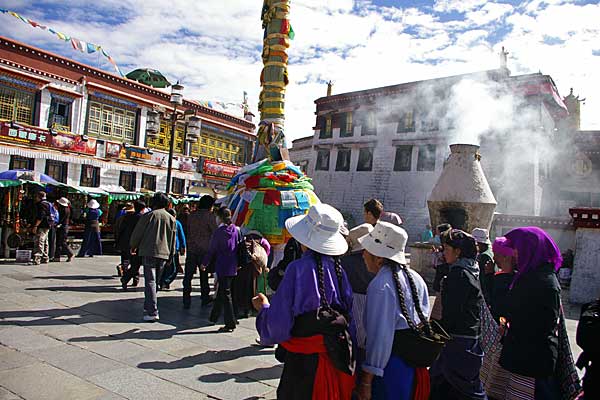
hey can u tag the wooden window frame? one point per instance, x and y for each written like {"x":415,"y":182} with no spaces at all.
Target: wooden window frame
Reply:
{"x":62,"y":165}
{"x":95,"y":179}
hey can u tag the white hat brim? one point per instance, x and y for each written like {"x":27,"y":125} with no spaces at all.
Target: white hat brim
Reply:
{"x":63,"y":203}
{"x":377,"y":249}
{"x":331,"y":244}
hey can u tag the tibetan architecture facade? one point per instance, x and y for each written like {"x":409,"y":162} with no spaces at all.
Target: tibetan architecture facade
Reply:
{"x":392,"y":142}
{"x":86,"y":127}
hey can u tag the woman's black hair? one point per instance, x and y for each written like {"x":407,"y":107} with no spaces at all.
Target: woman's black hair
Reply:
{"x":224,"y":214}
{"x":462,"y":241}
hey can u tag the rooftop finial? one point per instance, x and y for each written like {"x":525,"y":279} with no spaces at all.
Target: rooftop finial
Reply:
{"x":329,"y":88}
{"x":503,"y":58}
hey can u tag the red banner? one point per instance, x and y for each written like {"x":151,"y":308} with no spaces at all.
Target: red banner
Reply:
{"x":74,"y":143}
{"x":213,"y":168}
{"x":41,"y":137}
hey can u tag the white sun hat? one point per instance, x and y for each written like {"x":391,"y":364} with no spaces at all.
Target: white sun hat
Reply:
{"x":386,"y":241}
{"x":63,"y":201}
{"x":93,"y":204}
{"x":319,"y":230}
{"x":481,"y":235}
{"x":356,"y":233}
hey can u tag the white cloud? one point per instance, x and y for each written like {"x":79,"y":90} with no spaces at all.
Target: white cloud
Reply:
{"x":490,"y":12}
{"x":457,"y":5}
{"x":214,"y":46}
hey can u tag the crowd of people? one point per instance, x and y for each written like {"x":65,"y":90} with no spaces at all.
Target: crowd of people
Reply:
{"x":348,"y":315}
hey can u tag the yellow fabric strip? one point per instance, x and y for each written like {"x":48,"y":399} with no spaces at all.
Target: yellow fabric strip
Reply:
{"x":278,"y":111}
{"x":275,"y":64}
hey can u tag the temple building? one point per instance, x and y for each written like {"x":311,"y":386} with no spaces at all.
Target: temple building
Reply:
{"x":86,"y":127}
{"x":391,"y":143}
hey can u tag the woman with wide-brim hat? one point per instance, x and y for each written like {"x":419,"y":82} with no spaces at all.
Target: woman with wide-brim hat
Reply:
{"x":390,"y":310}
{"x":300,"y":317}
{"x":91,"y":245}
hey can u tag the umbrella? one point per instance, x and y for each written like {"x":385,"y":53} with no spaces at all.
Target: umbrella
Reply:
{"x":150,"y":77}
{"x":28,"y":175}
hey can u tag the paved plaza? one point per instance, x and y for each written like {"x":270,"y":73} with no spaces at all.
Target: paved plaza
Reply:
{"x":68,"y":331}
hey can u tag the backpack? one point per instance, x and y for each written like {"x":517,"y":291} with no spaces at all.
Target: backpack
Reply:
{"x":244,"y":256}
{"x":49,"y":218}
{"x":54,"y":213}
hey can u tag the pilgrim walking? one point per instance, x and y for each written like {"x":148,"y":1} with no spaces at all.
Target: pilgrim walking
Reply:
{"x":310,"y":315}
{"x":455,"y":374}
{"x":91,"y":245}
{"x":62,"y":230}
{"x":397,"y":301}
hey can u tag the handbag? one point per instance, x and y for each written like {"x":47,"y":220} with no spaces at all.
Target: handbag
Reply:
{"x":419,"y":345}
{"x":335,"y":323}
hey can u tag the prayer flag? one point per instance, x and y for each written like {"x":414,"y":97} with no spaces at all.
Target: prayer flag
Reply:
{"x":91,"y":48}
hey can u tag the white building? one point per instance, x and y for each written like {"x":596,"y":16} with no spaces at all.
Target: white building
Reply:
{"x":86,"y":127}
{"x":390,"y":143}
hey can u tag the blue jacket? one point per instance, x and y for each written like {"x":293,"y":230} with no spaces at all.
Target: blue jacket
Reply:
{"x":180,"y":237}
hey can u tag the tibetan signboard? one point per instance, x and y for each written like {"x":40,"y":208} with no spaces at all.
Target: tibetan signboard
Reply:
{"x":30,"y":135}
{"x":138,"y":153}
{"x":220,"y":170}
{"x":74,"y":143}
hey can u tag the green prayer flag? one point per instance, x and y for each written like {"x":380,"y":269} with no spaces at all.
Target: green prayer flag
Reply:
{"x":257,"y":202}
{"x":291,"y":33}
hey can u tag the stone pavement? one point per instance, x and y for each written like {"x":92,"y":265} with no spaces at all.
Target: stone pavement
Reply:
{"x":68,"y":331}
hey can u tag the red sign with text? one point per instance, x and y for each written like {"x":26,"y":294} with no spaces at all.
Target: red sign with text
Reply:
{"x":213,"y":168}
{"x":41,"y":137}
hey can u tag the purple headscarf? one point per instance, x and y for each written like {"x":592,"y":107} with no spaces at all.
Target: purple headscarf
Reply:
{"x":535,"y":247}
{"x":503,"y":247}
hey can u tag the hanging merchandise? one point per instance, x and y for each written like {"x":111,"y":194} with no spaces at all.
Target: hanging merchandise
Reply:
{"x":77,"y":44}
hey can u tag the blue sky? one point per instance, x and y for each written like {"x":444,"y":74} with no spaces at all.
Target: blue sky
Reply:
{"x":213,"y":46}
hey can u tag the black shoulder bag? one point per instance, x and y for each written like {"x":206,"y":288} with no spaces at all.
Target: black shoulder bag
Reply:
{"x":419,"y":346}
{"x":335,"y":325}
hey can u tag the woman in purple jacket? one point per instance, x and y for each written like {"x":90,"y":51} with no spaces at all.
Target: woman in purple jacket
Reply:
{"x":223,"y":252}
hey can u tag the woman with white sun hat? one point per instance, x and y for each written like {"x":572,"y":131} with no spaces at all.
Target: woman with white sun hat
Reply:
{"x":397,"y":301}
{"x":311,"y":312}
{"x":91,"y":244}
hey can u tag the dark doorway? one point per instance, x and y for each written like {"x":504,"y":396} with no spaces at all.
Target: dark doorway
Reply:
{"x":457,"y":217}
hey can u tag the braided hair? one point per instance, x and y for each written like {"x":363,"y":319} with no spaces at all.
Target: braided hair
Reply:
{"x":321,"y":278}
{"x":396,"y":269}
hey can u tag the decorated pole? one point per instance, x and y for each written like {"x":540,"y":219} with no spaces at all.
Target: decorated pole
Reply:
{"x":274,"y":78}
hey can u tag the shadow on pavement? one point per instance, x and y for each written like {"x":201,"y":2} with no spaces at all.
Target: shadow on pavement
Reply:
{"x":83,"y":289}
{"x":265,"y":373}
{"x":208,"y":357}
{"x":76,"y":277}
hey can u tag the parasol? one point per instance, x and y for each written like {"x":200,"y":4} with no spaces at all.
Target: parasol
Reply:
{"x":149,"y":76}
{"x":28,"y":175}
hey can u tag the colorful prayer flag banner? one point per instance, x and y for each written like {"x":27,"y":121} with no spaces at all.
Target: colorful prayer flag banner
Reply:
{"x":77,"y":44}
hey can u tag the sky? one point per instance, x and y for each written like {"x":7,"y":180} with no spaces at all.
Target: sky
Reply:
{"x":213,"y":47}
